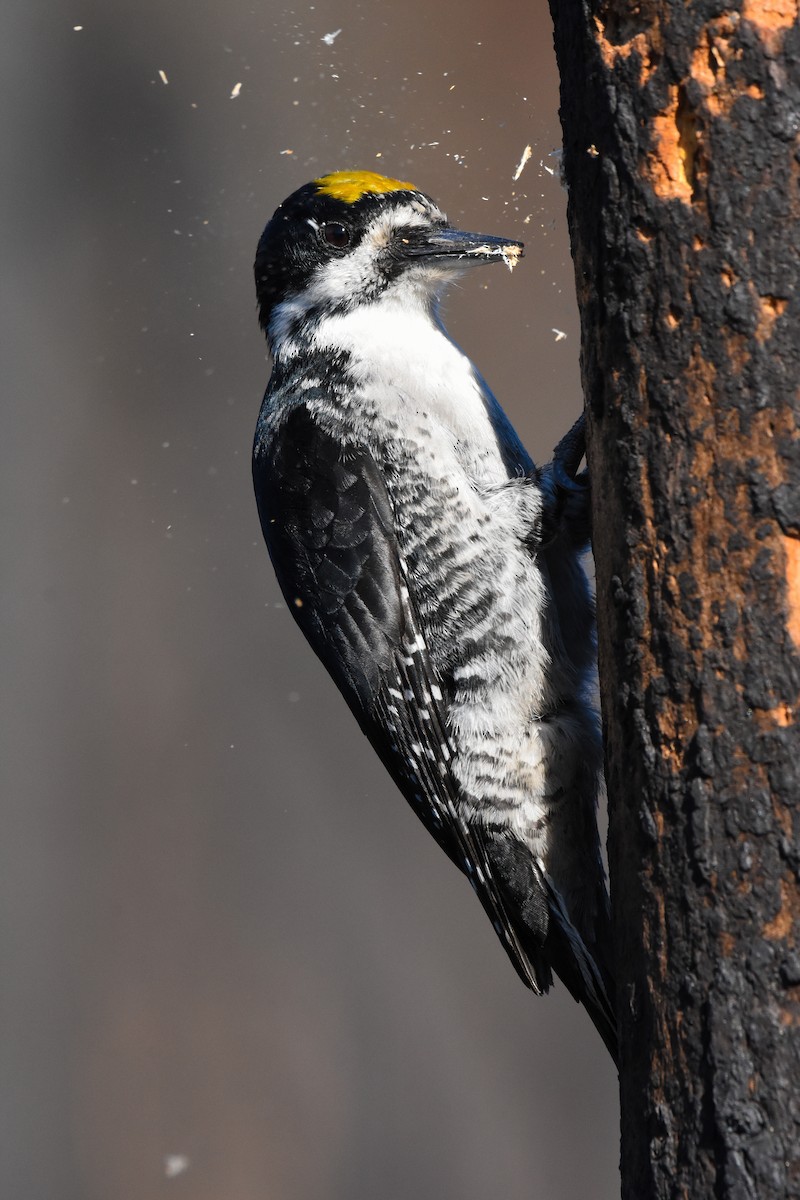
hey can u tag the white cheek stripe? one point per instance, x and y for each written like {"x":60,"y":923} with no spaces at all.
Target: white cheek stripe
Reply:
{"x":356,"y":274}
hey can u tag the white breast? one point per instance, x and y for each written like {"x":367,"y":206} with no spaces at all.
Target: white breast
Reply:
{"x":402,"y":356}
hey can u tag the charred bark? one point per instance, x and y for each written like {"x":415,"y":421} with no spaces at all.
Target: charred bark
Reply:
{"x":682,"y":155}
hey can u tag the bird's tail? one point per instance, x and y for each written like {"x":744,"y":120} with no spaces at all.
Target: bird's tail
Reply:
{"x":544,"y":936}
{"x":581,"y":969}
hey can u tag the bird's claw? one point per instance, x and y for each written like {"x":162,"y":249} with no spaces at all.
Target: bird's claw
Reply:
{"x":567,"y":457}
{"x":567,"y":490}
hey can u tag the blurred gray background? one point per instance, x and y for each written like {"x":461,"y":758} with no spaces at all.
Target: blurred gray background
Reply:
{"x":235,"y":967}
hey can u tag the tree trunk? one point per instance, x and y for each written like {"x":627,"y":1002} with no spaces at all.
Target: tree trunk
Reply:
{"x":682,"y":157}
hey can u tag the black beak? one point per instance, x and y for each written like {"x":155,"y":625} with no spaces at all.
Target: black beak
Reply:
{"x":464,"y":248}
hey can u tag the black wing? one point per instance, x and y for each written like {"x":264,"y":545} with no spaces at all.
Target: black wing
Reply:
{"x":329,"y":527}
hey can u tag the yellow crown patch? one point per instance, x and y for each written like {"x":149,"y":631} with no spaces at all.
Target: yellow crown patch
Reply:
{"x":350,"y":186}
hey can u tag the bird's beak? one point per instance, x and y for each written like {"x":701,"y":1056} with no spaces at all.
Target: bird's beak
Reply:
{"x":464,"y":248}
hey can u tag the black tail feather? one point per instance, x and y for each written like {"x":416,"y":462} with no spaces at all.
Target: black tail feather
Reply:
{"x":547,"y":936}
{"x":580,"y":971}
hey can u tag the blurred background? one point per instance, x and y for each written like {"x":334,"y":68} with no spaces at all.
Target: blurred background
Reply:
{"x":235,"y":967}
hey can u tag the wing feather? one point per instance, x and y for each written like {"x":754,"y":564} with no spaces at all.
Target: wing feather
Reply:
{"x":329,"y":525}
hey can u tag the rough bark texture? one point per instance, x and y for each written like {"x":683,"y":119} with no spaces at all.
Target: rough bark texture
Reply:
{"x":681,"y":125}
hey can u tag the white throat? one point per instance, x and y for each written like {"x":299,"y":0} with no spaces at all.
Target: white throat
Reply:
{"x":402,"y":361}
{"x":402,"y":348}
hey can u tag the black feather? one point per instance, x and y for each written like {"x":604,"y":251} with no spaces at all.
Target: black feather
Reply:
{"x":313,"y":497}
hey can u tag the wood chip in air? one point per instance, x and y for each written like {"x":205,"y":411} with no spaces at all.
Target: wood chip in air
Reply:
{"x":511,"y":255}
{"x":526,"y":153}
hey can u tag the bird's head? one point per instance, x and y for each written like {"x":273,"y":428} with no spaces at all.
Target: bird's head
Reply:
{"x":355,"y":238}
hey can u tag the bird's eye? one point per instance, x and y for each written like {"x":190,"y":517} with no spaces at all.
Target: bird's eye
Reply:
{"x":336,"y":235}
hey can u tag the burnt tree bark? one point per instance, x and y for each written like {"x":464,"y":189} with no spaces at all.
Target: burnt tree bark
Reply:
{"x":682,"y":154}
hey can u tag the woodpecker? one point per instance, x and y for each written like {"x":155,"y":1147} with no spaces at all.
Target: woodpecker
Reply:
{"x":435,"y":570}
